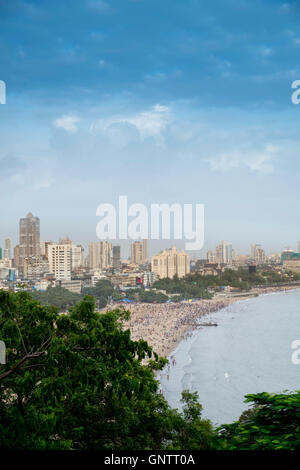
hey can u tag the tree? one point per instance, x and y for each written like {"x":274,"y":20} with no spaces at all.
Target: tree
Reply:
{"x":194,"y":433}
{"x":88,"y":389}
{"x":57,"y":296}
{"x":273,"y":423}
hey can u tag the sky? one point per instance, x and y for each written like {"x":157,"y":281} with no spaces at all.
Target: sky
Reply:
{"x":174,"y":101}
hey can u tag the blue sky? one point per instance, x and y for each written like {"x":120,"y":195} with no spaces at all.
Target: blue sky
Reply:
{"x":164,"y":101}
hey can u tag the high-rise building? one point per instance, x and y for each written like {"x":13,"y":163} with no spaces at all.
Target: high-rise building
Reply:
{"x":260,"y":256}
{"x":298,"y":247}
{"x":60,"y":261}
{"x":16,"y":256}
{"x":106,"y":255}
{"x":139,"y":252}
{"x":257,"y":254}
{"x":93,"y":259}
{"x":169,"y":263}
{"x":44,"y":248}
{"x":211,"y":256}
{"x":145,"y":250}
{"x":224,"y":253}
{"x":29,"y":238}
{"x":116,"y":257}
{"x":7,"y":249}
{"x":77,"y":256}
{"x":0,"y":253}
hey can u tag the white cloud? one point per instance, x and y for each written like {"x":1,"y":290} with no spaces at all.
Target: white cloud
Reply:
{"x":255,"y":161}
{"x":150,"y":123}
{"x":67,"y":122}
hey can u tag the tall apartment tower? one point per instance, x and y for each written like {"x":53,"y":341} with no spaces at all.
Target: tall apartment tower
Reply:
{"x":139,"y":252}
{"x":145,"y":250}
{"x":44,"y":248}
{"x":93,"y":260}
{"x":211,"y":256}
{"x":106,"y":255}
{"x":116,"y":257}
{"x":298,"y":247}
{"x":224,"y":252}
{"x":7,"y":249}
{"x":16,"y":262}
{"x":29,"y":238}
{"x":60,"y":261}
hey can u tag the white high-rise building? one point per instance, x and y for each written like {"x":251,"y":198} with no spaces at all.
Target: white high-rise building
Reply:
{"x":77,"y":256}
{"x":257,"y":254}
{"x":211,"y":256}
{"x":60,"y":261}
{"x":7,"y":249}
{"x":224,"y":253}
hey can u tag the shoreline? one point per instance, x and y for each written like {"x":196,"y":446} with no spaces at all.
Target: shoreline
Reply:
{"x":164,"y":326}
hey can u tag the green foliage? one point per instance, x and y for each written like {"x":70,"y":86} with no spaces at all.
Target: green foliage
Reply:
{"x":195,"y":285}
{"x":273,"y":423}
{"x":56,"y":296}
{"x":193,"y":433}
{"x":78,"y":381}
{"x":88,"y":389}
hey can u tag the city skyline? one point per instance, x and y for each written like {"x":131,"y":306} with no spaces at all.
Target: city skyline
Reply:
{"x":7,"y":246}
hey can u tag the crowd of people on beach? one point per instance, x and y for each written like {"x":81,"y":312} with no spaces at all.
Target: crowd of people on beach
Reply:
{"x":163,"y":325}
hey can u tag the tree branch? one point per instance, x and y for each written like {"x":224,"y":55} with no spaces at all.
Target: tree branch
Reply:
{"x":21,"y":362}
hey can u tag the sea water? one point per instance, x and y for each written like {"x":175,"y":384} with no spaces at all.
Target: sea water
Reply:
{"x":248,"y":352}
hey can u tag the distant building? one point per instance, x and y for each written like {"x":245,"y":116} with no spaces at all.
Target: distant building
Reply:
{"x":29,"y":232}
{"x":148,"y":279}
{"x":106,"y":255}
{"x":72,"y":286}
{"x":298,"y":247}
{"x":139,"y":252}
{"x":260,"y":256}
{"x":257,"y":254}
{"x":77,"y":256}
{"x":170,"y":263}
{"x":16,"y":261}
{"x":211,"y":256}
{"x":291,"y":261}
{"x":224,"y":253}
{"x":44,"y":248}
{"x":7,"y":249}
{"x":35,"y":267}
{"x":116,"y":257}
{"x":93,"y":259}
{"x":60,"y":261}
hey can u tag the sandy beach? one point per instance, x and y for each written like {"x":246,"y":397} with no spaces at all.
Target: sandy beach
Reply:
{"x":164,"y":325}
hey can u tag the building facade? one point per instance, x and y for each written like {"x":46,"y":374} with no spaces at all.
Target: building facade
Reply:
{"x":29,"y":233}
{"x":139,"y":252}
{"x":60,"y":261}
{"x":106,"y":255}
{"x":169,"y":263}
